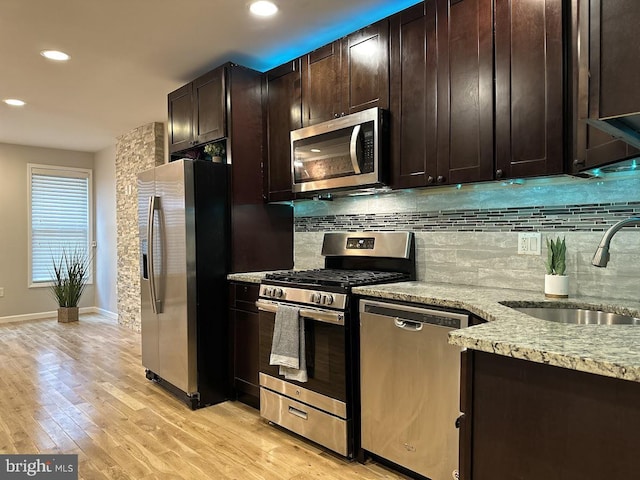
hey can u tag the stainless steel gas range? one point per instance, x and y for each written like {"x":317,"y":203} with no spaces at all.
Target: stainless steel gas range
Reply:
{"x":323,"y":408}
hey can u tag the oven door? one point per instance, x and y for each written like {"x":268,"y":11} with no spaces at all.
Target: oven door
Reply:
{"x":325,"y":347}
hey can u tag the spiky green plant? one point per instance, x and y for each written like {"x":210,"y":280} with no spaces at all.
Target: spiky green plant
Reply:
{"x":556,"y":256}
{"x":70,"y":276}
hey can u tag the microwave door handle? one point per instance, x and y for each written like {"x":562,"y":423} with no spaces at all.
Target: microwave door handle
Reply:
{"x":353,"y":150}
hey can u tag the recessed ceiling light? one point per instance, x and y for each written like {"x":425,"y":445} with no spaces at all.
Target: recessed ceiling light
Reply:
{"x":14,"y":101}
{"x":55,"y":55}
{"x":263,"y":8}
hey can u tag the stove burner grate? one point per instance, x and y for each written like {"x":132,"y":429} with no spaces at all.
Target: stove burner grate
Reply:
{"x":333,"y":277}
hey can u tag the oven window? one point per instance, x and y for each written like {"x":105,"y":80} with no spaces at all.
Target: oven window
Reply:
{"x":325,"y":356}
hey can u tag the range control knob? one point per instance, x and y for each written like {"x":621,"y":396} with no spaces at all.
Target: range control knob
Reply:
{"x":268,"y":292}
{"x":316,"y":298}
{"x":278,"y":293}
{"x":327,"y":299}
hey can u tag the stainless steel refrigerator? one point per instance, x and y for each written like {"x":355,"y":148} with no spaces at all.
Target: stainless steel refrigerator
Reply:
{"x":184,"y":246}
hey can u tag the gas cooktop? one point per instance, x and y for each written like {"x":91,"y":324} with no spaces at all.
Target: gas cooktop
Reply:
{"x":335,"y":277}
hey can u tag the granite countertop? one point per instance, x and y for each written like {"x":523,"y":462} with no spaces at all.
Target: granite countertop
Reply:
{"x":248,"y":277}
{"x":612,"y":351}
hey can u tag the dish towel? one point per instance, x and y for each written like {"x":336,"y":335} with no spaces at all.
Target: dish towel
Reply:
{"x":287,"y":347}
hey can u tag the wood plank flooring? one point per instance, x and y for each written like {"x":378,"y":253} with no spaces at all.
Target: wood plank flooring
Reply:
{"x":80,"y":388}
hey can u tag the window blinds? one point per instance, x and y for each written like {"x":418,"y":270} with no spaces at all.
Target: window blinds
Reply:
{"x":59,"y":217}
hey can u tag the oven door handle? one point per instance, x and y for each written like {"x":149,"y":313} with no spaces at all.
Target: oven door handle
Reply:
{"x":326,"y":316}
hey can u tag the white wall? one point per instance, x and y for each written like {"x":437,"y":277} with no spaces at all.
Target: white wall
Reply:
{"x":18,"y":298}
{"x":104,"y":177}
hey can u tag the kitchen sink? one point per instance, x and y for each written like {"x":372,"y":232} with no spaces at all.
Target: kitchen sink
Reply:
{"x":578,"y":316}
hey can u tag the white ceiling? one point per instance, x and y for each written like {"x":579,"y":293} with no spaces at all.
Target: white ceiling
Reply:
{"x":127,"y":55}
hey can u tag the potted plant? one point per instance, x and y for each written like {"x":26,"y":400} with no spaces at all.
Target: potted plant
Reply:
{"x":556,"y":283}
{"x":70,"y":277}
{"x":216,"y":150}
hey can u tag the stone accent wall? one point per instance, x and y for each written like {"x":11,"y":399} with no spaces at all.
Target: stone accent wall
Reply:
{"x":136,"y":151}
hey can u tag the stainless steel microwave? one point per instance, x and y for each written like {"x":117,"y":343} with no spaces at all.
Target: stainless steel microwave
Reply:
{"x":346,"y":152}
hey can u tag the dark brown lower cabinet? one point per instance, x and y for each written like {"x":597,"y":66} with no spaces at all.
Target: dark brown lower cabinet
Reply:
{"x":530,"y":421}
{"x":243,"y":318}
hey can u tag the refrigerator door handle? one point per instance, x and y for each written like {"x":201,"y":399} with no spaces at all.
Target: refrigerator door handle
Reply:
{"x":153,"y":206}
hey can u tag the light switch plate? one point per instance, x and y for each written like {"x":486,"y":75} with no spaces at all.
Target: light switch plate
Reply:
{"x":529,"y":243}
{"x":1,"y":291}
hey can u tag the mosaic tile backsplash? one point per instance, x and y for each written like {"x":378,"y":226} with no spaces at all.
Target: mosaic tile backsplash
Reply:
{"x":469,"y":236}
{"x":590,"y":218}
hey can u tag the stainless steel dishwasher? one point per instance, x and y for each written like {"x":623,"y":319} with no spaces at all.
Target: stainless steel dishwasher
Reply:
{"x":410,"y":386}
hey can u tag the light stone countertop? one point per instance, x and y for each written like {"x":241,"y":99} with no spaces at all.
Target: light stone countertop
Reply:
{"x":248,"y":277}
{"x":612,"y":351}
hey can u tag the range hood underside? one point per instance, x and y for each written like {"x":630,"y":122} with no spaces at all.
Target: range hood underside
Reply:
{"x":626,"y":128}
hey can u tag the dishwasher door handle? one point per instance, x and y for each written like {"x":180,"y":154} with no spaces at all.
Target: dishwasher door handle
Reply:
{"x":407,"y":325}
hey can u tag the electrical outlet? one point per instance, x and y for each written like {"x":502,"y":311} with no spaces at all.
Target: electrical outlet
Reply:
{"x":529,"y":243}
{"x":1,"y":291}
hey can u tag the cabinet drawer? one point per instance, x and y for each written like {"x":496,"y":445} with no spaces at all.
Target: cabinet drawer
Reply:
{"x":305,"y":420}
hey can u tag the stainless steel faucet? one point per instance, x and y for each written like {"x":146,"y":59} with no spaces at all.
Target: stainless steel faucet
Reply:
{"x":601,"y":257}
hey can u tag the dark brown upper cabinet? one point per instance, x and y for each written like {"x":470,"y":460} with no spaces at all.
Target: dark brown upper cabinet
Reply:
{"x":414,"y":90}
{"x":442,"y":93}
{"x":614,"y":58}
{"x":607,"y":73}
{"x":197,"y":111}
{"x":283,"y":114}
{"x":465,"y":91}
{"x":346,"y":76}
{"x":181,"y":118}
{"x":529,"y":88}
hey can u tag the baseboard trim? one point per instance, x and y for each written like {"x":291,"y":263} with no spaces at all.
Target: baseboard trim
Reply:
{"x":105,"y":313}
{"x":53,"y":314}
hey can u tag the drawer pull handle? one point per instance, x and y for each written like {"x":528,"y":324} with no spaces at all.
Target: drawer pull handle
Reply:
{"x":298,"y":413}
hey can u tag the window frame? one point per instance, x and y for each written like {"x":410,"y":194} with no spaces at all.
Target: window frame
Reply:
{"x":59,"y":169}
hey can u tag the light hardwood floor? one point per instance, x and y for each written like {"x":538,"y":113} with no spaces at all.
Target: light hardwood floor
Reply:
{"x":80,"y":388}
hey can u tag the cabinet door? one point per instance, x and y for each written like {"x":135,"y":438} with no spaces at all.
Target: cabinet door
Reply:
{"x":244,"y":318}
{"x":413,"y":96}
{"x":614,"y":54}
{"x":180,"y":118}
{"x":321,"y":84}
{"x":365,"y":69}
{"x":532,"y":421}
{"x":283,"y":115}
{"x":529,"y":88}
{"x":209,"y":107}
{"x":465,"y":91}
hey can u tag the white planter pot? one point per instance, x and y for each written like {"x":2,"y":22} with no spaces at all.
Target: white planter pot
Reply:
{"x":556,"y":286}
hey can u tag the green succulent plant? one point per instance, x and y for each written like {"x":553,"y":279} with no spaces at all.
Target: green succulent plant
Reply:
{"x":556,"y":256}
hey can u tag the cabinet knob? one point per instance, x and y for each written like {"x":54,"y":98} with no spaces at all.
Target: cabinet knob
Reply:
{"x":430,"y":179}
{"x":440,"y":179}
{"x":577,"y":162}
{"x":499,"y":173}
